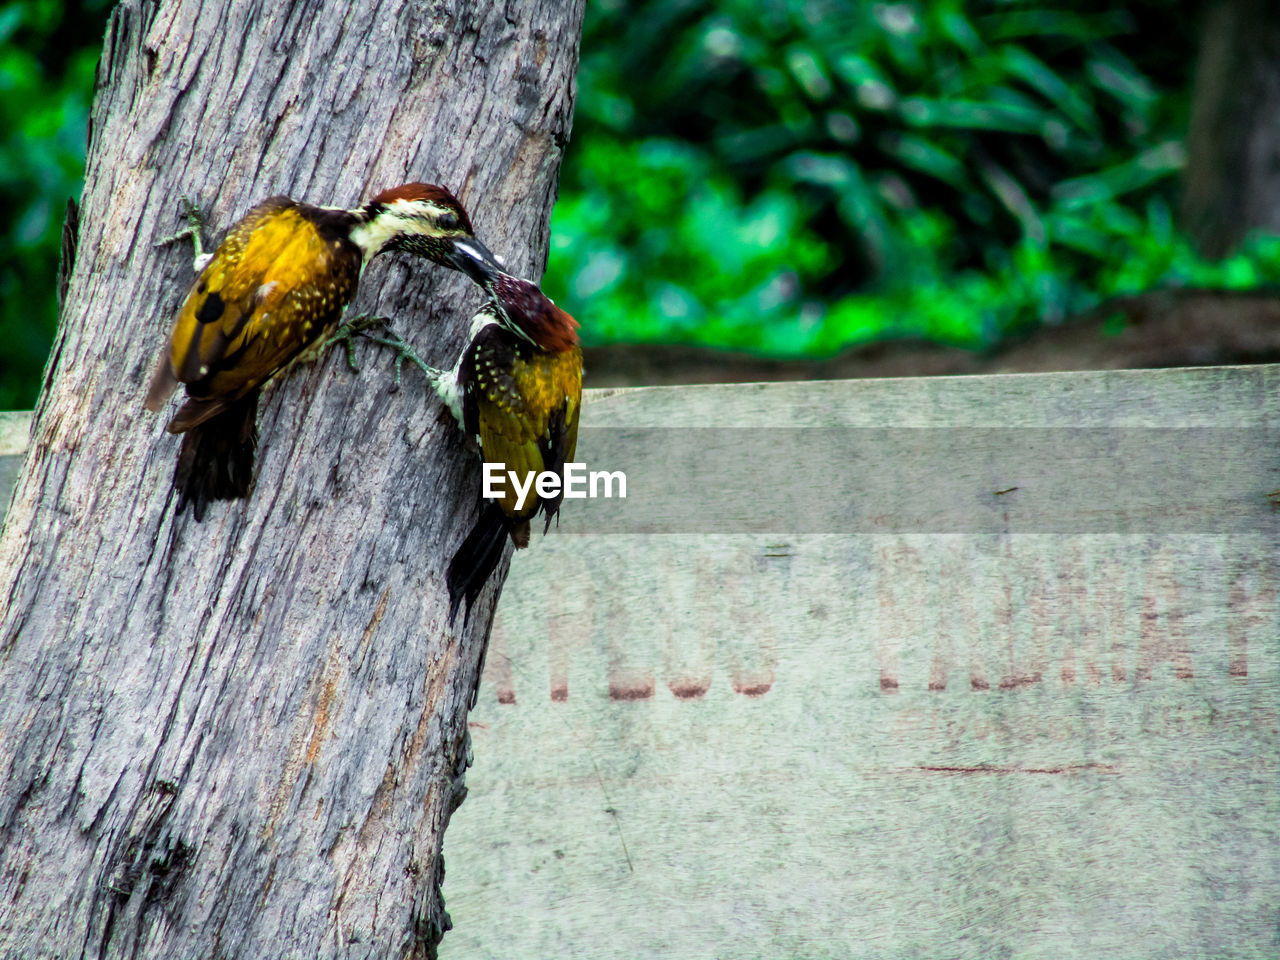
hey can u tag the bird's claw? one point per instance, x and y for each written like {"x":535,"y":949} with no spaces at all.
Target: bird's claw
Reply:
{"x":194,"y":230}
{"x":346,"y":333}
{"x":361,"y":326}
{"x":404,"y":352}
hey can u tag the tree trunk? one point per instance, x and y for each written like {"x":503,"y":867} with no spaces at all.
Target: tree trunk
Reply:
{"x":1232,"y":180}
{"x":244,"y":738}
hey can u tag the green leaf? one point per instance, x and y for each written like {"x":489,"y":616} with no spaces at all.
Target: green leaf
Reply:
{"x":924,"y":155}
{"x":969,"y":114}
{"x":1149,"y":167}
{"x":1058,"y":92}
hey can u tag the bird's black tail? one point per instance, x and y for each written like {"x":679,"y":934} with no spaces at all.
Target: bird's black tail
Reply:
{"x":216,"y":459}
{"x":477,"y":557}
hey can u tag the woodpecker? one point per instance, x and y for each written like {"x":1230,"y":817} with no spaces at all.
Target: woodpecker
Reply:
{"x":516,"y":392}
{"x":270,"y":296}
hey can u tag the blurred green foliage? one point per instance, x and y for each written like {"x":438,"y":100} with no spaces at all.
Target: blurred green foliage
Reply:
{"x":782,"y":176}
{"x":47,"y":58}
{"x":791,"y":176}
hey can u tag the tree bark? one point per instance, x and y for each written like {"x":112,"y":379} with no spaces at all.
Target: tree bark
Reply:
{"x":244,"y":738}
{"x":1232,"y":180}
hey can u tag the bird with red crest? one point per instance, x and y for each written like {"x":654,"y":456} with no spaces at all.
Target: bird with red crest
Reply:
{"x":270,"y":296}
{"x":516,"y":392}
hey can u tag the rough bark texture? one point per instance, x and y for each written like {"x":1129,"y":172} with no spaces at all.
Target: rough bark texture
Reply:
{"x":1232,"y":183}
{"x":245,"y":738}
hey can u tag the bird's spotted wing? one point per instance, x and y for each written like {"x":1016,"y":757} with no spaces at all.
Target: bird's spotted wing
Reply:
{"x":562,"y":434}
{"x":272,"y":288}
{"x":522,"y":405}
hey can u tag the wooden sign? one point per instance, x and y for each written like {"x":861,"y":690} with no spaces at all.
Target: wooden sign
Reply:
{"x":1059,"y":738}
{"x":14,"y":428}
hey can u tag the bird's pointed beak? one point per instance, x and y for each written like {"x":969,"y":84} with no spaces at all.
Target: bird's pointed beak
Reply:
{"x":475,"y":260}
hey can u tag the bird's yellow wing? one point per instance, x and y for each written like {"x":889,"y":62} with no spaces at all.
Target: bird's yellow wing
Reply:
{"x":271,"y":289}
{"x":527,"y":419}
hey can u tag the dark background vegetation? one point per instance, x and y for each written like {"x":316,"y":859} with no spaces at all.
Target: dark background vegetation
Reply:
{"x":784,"y":178}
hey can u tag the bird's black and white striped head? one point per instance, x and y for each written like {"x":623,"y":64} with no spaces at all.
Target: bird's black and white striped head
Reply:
{"x":418,"y":218}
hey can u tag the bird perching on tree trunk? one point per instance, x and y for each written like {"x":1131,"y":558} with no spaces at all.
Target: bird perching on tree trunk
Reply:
{"x":248,"y":740}
{"x":516,"y":392}
{"x":270,"y":297}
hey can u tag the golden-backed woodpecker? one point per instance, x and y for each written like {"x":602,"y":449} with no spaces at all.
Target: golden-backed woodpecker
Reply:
{"x":516,"y":391}
{"x":270,"y":296}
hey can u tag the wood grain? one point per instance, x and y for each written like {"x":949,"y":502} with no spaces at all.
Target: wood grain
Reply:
{"x":245,"y":738}
{"x":900,"y":744}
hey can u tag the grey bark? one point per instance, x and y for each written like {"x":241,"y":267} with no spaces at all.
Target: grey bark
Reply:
{"x":1232,"y":180}
{"x":245,"y":738}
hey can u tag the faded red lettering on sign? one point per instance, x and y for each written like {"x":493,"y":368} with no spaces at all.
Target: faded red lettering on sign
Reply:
{"x":570,"y":626}
{"x":689,"y":657}
{"x":900,"y":583}
{"x":1163,"y":634}
{"x":497,"y":662}
{"x":1024,"y":647}
{"x":1251,"y":601}
{"x":736,"y":622}
{"x":626,"y":680}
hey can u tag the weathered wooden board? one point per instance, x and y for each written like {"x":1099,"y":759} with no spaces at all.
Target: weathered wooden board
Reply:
{"x":14,"y":431}
{"x":921,"y":742}
{"x":961,"y":720}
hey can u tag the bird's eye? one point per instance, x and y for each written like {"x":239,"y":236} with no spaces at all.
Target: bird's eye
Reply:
{"x":448,"y":221}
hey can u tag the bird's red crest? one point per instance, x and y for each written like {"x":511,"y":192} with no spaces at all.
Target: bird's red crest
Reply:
{"x":429,"y":192}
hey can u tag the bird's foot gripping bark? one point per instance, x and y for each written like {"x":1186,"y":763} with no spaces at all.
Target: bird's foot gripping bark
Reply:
{"x":361,"y":325}
{"x":193,"y":230}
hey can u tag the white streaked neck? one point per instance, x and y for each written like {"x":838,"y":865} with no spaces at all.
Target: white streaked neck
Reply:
{"x":374,"y":233}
